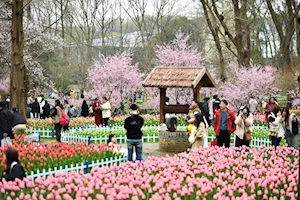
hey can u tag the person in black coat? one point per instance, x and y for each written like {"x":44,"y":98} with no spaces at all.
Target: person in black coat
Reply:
{"x":205,"y":109}
{"x":35,"y":106}
{"x":133,"y":125}
{"x":13,"y":168}
{"x":84,"y":109}
{"x":6,"y":119}
{"x":18,"y":122}
{"x":46,"y":110}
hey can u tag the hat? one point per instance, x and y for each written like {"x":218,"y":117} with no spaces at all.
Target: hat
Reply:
{"x":271,"y":117}
{"x":3,"y":104}
{"x":133,"y":107}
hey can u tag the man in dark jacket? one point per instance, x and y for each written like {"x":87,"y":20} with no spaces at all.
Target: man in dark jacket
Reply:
{"x":133,"y":126}
{"x":46,"y":110}
{"x":6,"y":119}
{"x":205,"y":109}
{"x":35,"y":106}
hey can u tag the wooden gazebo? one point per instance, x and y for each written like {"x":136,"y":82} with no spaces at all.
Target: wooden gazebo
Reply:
{"x":177,"y":77}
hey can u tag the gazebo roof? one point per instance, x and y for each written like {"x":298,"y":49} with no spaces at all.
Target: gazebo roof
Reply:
{"x":178,"y":77}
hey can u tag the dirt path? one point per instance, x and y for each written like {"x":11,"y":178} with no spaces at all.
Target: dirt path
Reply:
{"x":149,"y":149}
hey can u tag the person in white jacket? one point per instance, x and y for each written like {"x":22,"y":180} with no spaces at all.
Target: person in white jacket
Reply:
{"x":106,"y":110}
{"x":253,"y":105}
{"x":244,"y":124}
{"x":276,"y":125}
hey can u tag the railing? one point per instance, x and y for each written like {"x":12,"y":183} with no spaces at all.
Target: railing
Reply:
{"x":78,"y":167}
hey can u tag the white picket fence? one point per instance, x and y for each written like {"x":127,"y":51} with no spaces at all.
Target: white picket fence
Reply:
{"x":73,"y":138}
{"x":50,"y":133}
{"x":78,"y":167}
{"x":255,"y":142}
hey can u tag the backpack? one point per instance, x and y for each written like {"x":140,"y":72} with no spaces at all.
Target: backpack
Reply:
{"x":64,"y":119}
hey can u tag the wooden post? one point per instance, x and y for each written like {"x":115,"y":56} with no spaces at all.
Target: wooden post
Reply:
{"x":196,"y":92}
{"x":162,"y":103}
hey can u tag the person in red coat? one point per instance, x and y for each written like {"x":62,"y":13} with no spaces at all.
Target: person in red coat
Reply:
{"x":270,"y":107}
{"x":224,"y":124}
{"x":98,"y":112}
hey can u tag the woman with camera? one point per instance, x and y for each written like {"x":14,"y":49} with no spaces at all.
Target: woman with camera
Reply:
{"x":244,"y":122}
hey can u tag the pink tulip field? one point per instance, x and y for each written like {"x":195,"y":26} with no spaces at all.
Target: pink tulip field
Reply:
{"x":211,"y":173}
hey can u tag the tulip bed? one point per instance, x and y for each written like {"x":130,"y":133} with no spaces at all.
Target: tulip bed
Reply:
{"x":150,"y":120}
{"x":258,"y":133}
{"x":214,"y":173}
{"x":38,"y":157}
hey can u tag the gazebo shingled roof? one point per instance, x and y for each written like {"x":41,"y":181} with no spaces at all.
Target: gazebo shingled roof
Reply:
{"x":178,"y":77}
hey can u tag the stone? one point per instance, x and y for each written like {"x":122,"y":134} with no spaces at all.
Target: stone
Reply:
{"x":173,"y":141}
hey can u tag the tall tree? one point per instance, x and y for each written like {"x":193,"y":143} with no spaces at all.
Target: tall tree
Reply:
{"x":18,"y":71}
{"x":240,"y":37}
{"x":285,"y":30}
{"x":215,"y":33}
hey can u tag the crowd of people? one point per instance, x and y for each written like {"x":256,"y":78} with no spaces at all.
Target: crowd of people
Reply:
{"x":10,"y":123}
{"x":280,"y":121}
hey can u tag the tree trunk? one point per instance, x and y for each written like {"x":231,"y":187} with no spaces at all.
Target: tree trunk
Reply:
{"x":298,"y":37}
{"x":242,"y":32}
{"x":121,"y":27}
{"x":18,"y":71}
{"x":241,"y":40}
{"x":28,"y":10}
{"x":62,"y":12}
{"x":215,"y":33}
{"x":285,"y":33}
{"x":285,"y":55}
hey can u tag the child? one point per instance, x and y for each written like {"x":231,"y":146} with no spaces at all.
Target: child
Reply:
{"x":112,"y":143}
{"x":13,"y":167}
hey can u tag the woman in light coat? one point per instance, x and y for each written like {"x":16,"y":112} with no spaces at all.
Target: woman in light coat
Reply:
{"x":198,"y":132}
{"x":244,"y":123}
{"x":106,"y":110}
{"x":276,"y":125}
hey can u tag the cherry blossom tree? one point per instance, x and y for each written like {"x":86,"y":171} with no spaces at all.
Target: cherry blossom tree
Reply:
{"x":179,"y":52}
{"x":114,"y":77}
{"x":256,"y":81}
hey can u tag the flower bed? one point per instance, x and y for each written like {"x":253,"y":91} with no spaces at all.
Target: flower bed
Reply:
{"x":259,"y":133}
{"x":47,"y":123}
{"x":150,"y":120}
{"x":38,"y":157}
{"x":215,"y":173}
